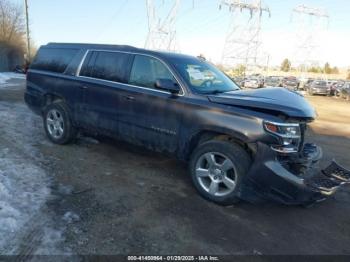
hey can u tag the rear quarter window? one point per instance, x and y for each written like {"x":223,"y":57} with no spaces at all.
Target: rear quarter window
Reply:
{"x":53,"y":59}
{"x":111,"y":66}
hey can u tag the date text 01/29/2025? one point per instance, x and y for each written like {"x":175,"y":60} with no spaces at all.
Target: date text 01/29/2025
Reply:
{"x":173,"y":258}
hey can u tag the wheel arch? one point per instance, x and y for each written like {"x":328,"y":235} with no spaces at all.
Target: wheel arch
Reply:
{"x":225,"y":135}
{"x":50,"y":98}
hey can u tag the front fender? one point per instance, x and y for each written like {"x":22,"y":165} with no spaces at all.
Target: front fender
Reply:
{"x":242,"y":127}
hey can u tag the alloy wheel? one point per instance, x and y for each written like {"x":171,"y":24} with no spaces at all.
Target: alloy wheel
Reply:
{"x":55,"y":124}
{"x":216,"y":174}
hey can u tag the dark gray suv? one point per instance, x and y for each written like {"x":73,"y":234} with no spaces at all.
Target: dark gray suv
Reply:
{"x":240,"y":144}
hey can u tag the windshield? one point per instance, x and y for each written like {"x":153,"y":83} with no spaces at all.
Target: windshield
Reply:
{"x":203,"y":77}
{"x":272,"y":79}
{"x":321,"y":83}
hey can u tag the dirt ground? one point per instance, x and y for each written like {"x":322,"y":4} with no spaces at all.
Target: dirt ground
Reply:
{"x":108,"y":197}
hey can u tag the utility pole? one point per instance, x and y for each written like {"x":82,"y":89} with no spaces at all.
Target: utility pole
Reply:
{"x":27,"y":27}
{"x":161,"y":30}
{"x":268,"y":65}
{"x":243,"y":36}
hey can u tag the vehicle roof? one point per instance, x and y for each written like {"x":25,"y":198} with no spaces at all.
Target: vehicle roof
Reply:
{"x":125,"y":48}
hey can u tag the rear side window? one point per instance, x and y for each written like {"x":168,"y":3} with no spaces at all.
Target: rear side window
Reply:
{"x":146,"y":70}
{"x":111,"y":66}
{"x":53,"y":59}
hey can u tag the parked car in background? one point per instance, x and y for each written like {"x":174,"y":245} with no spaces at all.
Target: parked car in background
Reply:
{"x":307,"y":83}
{"x":331,"y":83}
{"x":19,"y":70}
{"x":333,"y":89}
{"x":318,"y":87}
{"x":340,"y":84}
{"x":345,"y":91}
{"x":274,"y":81}
{"x":339,"y":87}
{"x":291,"y":83}
{"x":302,"y":82}
{"x":252,"y":83}
{"x":238,"y":80}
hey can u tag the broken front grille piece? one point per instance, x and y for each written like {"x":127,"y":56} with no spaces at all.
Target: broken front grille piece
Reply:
{"x":330,"y":179}
{"x":337,"y":172}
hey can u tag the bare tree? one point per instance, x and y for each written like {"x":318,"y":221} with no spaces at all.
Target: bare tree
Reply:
{"x":12,"y":29}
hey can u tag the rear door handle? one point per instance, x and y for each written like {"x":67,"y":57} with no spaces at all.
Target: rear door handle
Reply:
{"x":130,"y":98}
{"x":84,"y":87}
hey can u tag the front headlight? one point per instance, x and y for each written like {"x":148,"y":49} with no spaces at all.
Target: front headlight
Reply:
{"x":289,"y":135}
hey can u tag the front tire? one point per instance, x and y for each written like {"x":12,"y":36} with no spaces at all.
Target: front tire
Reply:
{"x":217,"y":169}
{"x":58,"y":124}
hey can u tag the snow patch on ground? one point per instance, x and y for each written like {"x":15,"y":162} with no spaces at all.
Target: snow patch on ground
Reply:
{"x":23,"y":190}
{"x":49,"y":241}
{"x":23,"y":127}
{"x":70,"y":217}
{"x":25,"y":225}
{"x":24,"y":184}
{"x":6,"y":77}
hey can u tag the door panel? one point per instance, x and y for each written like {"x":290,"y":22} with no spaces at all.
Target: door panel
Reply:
{"x":148,"y":116}
{"x":100,"y":107}
{"x":151,"y":119}
{"x":102,"y":77}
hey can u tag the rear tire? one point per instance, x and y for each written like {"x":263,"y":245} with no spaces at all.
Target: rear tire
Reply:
{"x":58,"y":124}
{"x":217,"y":169}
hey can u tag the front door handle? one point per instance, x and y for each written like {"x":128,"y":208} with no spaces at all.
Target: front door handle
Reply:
{"x":130,"y":98}
{"x":84,"y":87}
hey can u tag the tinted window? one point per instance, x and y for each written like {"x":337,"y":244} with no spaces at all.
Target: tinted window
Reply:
{"x":54,"y":59}
{"x":146,"y":70}
{"x":110,"y":66}
{"x":88,"y":64}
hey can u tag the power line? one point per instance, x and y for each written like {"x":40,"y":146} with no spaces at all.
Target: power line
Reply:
{"x":113,"y":17}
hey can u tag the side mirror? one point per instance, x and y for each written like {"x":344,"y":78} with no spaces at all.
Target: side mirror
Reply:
{"x":168,"y":85}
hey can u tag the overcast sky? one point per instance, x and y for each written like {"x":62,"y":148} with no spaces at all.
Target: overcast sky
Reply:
{"x":201,"y":28}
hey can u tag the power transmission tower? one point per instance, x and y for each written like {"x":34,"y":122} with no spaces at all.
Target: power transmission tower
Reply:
{"x":310,"y":23}
{"x":243,"y":37}
{"x":162,"y":30}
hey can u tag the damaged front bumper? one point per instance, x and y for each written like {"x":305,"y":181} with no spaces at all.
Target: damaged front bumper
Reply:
{"x":291,"y":179}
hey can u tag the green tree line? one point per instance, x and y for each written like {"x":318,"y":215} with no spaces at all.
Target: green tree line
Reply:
{"x":286,"y":66}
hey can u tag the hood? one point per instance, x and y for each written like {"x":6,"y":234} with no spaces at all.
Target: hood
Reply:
{"x":277,"y":99}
